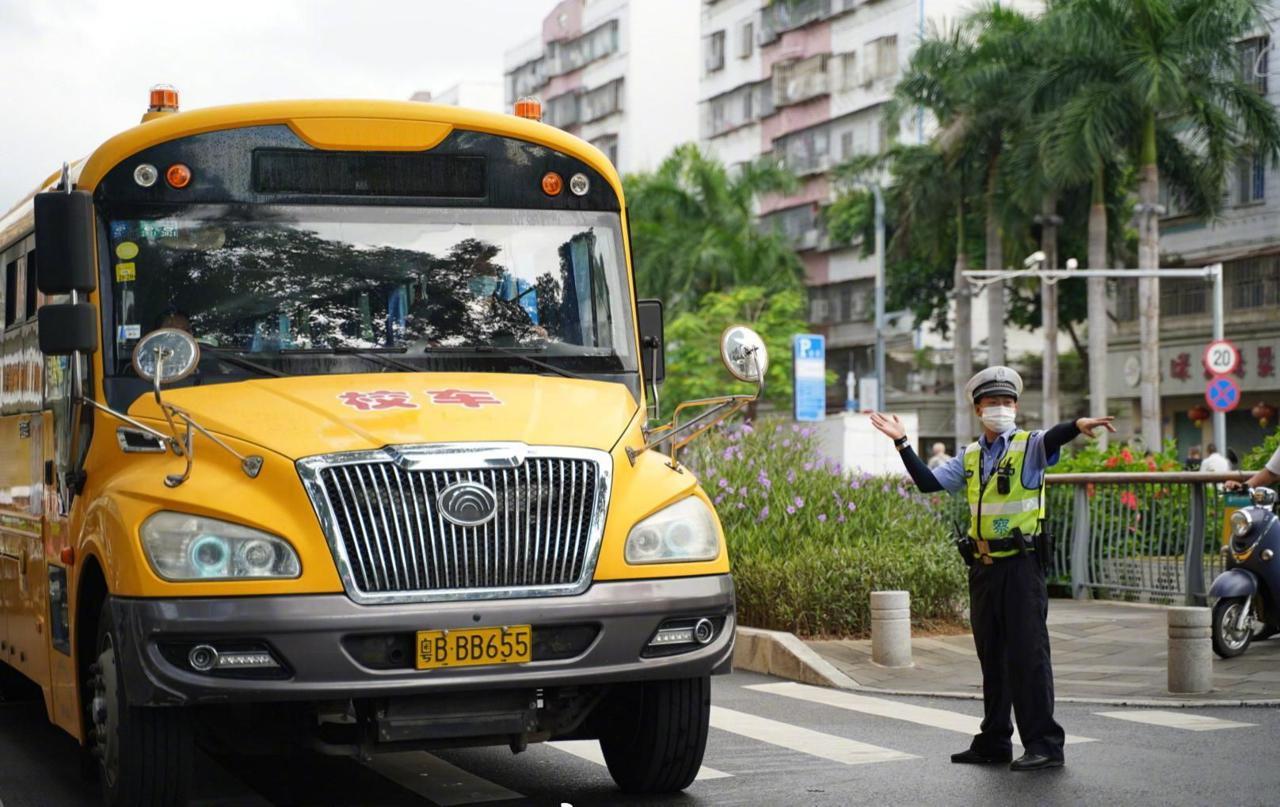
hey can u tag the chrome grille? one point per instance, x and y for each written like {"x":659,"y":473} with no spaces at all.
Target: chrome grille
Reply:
{"x":382,"y":518}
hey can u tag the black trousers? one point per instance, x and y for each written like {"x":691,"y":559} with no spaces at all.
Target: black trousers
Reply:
{"x":1008,"y":606}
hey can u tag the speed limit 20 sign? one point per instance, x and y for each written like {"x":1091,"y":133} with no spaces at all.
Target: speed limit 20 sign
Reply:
{"x":1221,"y":357}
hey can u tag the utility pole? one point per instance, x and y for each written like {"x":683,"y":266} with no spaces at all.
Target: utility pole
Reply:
{"x":1049,"y":223}
{"x":881,"y":382}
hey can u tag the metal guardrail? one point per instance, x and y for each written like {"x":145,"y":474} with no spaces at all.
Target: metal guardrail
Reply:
{"x":1135,"y":536}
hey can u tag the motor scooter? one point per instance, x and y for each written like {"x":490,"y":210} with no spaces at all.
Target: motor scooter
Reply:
{"x":1248,"y":591}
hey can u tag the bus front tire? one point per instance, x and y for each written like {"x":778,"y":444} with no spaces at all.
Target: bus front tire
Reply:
{"x":144,"y":754}
{"x":657,"y":734}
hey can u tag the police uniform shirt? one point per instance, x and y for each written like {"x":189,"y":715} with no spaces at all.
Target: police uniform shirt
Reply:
{"x":951,"y":474}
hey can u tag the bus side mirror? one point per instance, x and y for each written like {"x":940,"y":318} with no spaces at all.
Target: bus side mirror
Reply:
{"x":67,"y":328}
{"x":653,"y":360}
{"x":64,"y":242}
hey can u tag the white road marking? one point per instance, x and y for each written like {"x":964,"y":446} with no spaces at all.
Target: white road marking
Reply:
{"x":445,"y":784}
{"x":1175,"y":720}
{"x":806,"y":741}
{"x":590,"y":751}
{"x":881,"y":707}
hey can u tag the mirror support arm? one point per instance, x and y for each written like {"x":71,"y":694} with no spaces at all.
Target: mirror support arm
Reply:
{"x":678,"y":435}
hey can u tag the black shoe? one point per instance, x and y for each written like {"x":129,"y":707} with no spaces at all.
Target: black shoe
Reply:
{"x":971,"y":757}
{"x":1034,"y":762}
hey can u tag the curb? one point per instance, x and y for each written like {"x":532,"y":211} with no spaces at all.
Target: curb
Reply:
{"x":785,"y":655}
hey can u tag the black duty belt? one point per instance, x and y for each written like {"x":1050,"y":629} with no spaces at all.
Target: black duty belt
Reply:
{"x":1027,"y":543}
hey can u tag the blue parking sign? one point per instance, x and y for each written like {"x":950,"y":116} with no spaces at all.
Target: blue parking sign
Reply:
{"x":809,"y":370}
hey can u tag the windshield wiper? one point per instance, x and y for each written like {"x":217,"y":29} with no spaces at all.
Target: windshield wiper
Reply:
{"x":234,"y":358}
{"x":373,"y":356}
{"x":512,"y":354}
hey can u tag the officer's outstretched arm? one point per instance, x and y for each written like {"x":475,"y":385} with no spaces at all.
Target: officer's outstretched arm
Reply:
{"x":891,"y":426}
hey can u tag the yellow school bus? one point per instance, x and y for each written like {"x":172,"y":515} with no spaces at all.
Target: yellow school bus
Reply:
{"x":328,"y":424}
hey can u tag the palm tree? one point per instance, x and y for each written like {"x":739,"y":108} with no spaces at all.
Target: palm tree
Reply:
{"x":694,"y":230}
{"x":1158,"y":81}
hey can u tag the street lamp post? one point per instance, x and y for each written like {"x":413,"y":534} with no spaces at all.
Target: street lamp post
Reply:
{"x":881,"y":381}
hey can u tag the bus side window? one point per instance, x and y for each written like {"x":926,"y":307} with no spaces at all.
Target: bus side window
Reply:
{"x":32,"y":294}
{"x":11,"y":292}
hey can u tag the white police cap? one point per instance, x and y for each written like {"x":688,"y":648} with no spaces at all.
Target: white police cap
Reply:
{"x":996,"y":380}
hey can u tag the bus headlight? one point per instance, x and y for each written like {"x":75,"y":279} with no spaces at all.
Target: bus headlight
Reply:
{"x":181,"y":546}
{"x":683,"y":532}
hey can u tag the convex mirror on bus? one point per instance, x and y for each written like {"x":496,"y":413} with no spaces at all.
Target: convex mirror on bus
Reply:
{"x":64,"y":242}
{"x":743,"y":353}
{"x":166,"y":356}
{"x":67,"y":328}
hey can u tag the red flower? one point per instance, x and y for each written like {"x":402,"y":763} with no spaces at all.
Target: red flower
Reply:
{"x":1128,"y":499}
{"x":1111,"y":462}
{"x":1126,"y":456}
{"x":1151,"y":464}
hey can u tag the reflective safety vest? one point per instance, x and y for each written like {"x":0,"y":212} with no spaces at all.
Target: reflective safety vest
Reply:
{"x":994,"y":515}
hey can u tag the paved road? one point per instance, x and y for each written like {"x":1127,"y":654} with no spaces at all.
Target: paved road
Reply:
{"x":773,"y":743}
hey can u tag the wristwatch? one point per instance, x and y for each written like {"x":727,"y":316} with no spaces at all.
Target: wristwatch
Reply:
{"x":901,"y":442}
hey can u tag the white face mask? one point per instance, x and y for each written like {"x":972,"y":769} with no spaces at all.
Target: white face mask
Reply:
{"x":998,"y":419}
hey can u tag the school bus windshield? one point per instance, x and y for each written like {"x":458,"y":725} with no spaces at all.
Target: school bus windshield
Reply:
{"x":303,"y":288}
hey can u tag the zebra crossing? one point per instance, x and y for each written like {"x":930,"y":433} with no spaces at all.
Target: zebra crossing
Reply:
{"x":752,"y":727}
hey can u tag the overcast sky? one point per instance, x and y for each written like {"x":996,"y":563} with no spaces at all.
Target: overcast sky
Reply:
{"x":77,"y":71}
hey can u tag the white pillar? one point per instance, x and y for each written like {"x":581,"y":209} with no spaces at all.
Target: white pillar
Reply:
{"x":891,"y":628}
{"x":1190,"y":650}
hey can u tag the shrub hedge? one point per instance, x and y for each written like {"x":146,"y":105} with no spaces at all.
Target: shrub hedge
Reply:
{"x":809,"y":544}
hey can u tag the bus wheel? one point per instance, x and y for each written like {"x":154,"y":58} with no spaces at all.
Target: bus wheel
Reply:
{"x":144,"y":753}
{"x":658,"y":733}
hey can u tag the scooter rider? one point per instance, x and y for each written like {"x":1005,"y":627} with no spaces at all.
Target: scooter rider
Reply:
{"x":1003,"y":475}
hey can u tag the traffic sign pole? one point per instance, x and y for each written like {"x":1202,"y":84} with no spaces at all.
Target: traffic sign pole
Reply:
{"x":1219,"y":334}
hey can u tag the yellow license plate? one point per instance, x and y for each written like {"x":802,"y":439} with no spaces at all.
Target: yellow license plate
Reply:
{"x":468,"y":647}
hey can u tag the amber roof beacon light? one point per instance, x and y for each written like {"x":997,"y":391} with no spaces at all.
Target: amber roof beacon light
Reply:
{"x":529,"y":108}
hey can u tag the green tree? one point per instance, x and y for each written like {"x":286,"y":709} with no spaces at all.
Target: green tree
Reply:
{"x":694,"y":230}
{"x":693,"y":342}
{"x":1161,"y":82}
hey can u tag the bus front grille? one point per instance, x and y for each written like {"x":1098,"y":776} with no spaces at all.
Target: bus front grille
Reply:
{"x":388,"y":524}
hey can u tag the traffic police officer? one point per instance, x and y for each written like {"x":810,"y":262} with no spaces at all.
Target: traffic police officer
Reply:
{"x":1002,"y":473}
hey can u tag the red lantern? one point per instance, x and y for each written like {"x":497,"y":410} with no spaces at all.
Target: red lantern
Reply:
{"x":1264,"y":412}
{"x":1199,"y":414}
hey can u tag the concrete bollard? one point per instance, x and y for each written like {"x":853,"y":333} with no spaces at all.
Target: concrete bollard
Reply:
{"x":1190,"y":650}
{"x":891,"y":628}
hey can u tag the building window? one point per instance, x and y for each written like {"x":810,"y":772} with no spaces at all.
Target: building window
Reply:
{"x":735,"y":108}
{"x":746,"y":38}
{"x":1253,"y":282}
{"x":575,"y":53}
{"x":1251,"y":180}
{"x":805,"y":152}
{"x":601,"y":102}
{"x":609,"y":145}
{"x":562,"y":110}
{"x":846,"y":145}
{"x":1255,"y":61}
{"x":714,"y":51}
{"x":801,"y":226}
{"x":849,"y":77}
{"x":881,"y":59}
{"x":800,"y":80}
{"x":525,"y":79}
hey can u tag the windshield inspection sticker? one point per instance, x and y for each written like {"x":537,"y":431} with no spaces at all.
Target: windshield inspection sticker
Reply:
{"x":126,"y":250}
{"x":126,"y":272}
{"x":378,"y":399}
{"x":126,"y":332}
{"x":472,"y":399}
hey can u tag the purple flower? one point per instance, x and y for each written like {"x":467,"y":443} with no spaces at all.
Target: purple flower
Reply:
{"x":763,"y":479}
{"x":724,"y":483}
{"x":806,"y":432}
{"x":742,"y":491}
{"x":840,"y":520}
{"x":764,"y":513}
{"x":822,"y":517}
{"x":799,"y":502}
{"x":852,"y":507}
{"x":808,"y":466}
{"x":791,"y":476}
{"x":741,"y":506}
{"x":791,"y":511}
{"x":716,"y":500}
{"x":786,"y":443}
{"x":747,"y":428}
{"x":795,"y":427}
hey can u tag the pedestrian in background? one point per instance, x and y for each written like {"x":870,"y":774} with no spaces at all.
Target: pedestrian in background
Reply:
{"x":1215,"y":462}
{"x":1193,"y":458}
{"x":1002,"y":474}
{"x":938,"y":455}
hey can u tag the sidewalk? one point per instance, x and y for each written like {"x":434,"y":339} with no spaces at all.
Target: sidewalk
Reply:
{"x":1101,"y":651}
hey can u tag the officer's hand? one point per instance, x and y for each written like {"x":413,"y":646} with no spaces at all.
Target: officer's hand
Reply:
{"x":889,"y":425}
{"x":1087,"y":425}
{"x":1236,"y":485}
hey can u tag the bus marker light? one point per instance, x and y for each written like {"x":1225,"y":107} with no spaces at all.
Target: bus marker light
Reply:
{"x":529,"y":108}
{"x":579,"y":184}
{"x":145,"y":175}
{"x":164,"y":98}
{"x":67,"y":556}
{"x":178,"y":176}
{"x":552,"y":184}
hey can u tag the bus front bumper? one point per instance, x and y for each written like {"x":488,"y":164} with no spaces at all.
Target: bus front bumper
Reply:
{"x":321,"y":641}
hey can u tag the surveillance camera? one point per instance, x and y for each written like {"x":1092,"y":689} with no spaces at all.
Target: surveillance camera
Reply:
{"x":1072,"y":264}
{"x":1036,"y":257}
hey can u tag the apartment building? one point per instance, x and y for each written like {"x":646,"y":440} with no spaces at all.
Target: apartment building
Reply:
{"x":805,"y":82}
{"x":622,"y":74}
{"x":1245,"y":239}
